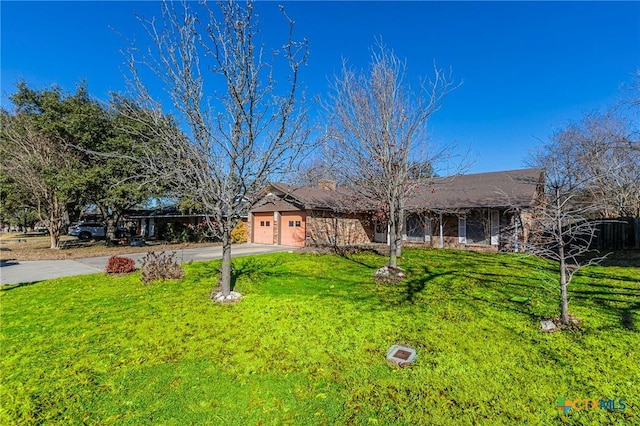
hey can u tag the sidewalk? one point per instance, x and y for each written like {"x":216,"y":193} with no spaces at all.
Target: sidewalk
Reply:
{"x":13,"y":272}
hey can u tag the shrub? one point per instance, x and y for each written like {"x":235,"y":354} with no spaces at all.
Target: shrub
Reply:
{"x":120,"y":265}
{"x":240,"y":234}
{"x":160,"y":266}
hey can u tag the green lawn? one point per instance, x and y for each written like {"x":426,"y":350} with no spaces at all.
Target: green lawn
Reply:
{"x":307,"y":345}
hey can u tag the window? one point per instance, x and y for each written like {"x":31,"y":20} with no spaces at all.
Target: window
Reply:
{"x":268,"y":223}
{"x":417,"y":228}
{"x":476,"y":228}
{"x":297,"y":224}
{"x":290,"y":223}
{"x":262,"y":223}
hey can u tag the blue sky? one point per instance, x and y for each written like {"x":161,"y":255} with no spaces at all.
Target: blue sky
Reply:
{"x":527,"y":67}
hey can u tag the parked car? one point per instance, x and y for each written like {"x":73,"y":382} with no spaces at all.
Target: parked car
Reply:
{"x":88,"y":230}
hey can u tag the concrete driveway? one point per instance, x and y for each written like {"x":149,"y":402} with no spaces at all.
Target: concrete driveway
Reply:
{"x":13,"y":272}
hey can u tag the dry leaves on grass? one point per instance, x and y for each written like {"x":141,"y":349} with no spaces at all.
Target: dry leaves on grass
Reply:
{"x":38,"y":249}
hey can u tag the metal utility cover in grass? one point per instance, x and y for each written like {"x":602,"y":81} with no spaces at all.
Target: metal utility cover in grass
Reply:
{"x":401,"y":355}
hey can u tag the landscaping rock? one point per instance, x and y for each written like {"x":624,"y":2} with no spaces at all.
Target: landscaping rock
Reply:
{"x":548,"y":325}
{"x":232,"y":297}
{"x":387,"y":272}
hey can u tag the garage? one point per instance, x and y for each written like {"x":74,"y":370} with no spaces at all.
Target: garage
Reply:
{"x":292,"y":228}
{"x":263,"y":228}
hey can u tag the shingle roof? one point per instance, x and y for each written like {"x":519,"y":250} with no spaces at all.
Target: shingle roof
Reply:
{"x":275,"y":205}
{"x":312,"y":197}
{"x":493,"y":189}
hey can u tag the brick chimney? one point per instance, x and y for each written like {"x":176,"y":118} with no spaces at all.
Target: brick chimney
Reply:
{"x":327,"y":184}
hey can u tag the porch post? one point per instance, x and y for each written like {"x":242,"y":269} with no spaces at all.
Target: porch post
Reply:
{"x":441,"y":233}
{"x":516,"y":238}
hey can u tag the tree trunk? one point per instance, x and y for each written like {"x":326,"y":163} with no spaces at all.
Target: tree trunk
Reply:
{"x":225,"y":270}
{"x":111,"y":229}
{"x":54,"y":222}
{"x":393,"y":257}
{"x":392,"y":233}
{"x":54,"y":227}
{"x":399,"y":230}
{"x":564,"y":302}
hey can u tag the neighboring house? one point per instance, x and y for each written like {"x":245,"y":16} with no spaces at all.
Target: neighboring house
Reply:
{"x":153,"y":223}
{"x":486,"y":210}
{"x":161,"y":221}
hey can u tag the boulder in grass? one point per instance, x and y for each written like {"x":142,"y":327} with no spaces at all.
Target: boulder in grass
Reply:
{"x":389,"y":274}
{"x":232,"y":297}
{"x":548,"y":325}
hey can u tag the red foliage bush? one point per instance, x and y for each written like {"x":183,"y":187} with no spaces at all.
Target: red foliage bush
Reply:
{"x":120,"y":265}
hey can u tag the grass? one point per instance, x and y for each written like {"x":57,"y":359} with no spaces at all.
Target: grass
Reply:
{"x":22,"y":247}
{"x":307,"y":345}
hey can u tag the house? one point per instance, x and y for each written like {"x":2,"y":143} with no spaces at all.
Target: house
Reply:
{"x":167,"y":222}
{"x":154,"y":223}
{"x":475,"y":211}
{"x":485,"y":210}
{"x":301,"y":216}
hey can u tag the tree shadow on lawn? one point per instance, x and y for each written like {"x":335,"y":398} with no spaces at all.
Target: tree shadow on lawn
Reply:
{"x":628,"y":315}
{"x":623,"y":306}
{"x":458,"y":286}
{"x":7,"y":287}
{"x":254,"y":268}
{"x":250,"y":267}
{"x":272,"y":276}
{"x":586,"y":274}
{"x":495,"y":289}
{"x":414,"y":287}
{"x":619,"y":302}
{"x":484,"y":306}
{"x":527,"y":338}
{"x":622,"y":258}
{"x":353,"y":257}
{"x":474,"y":275}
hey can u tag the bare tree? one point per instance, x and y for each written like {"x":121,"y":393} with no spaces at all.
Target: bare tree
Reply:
{"x":312,"y":171}
{"x":36,"y":162}
{"x":238,"y":129}
{"x":562,"y":227}
{"x":632,"y":92}
{"x":603,"y":153}
{"x":378,"y":132}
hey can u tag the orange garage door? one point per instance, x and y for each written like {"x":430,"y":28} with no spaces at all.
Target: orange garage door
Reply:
{"x":263,"y":228}
{"x":292,"y":229}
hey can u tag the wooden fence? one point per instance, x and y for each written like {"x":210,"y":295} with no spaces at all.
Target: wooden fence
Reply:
{"x":618,"y":234}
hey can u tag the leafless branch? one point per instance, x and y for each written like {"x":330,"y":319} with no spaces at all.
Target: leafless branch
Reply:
{"x":378,"y":128}
{"x":223,"y":144}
